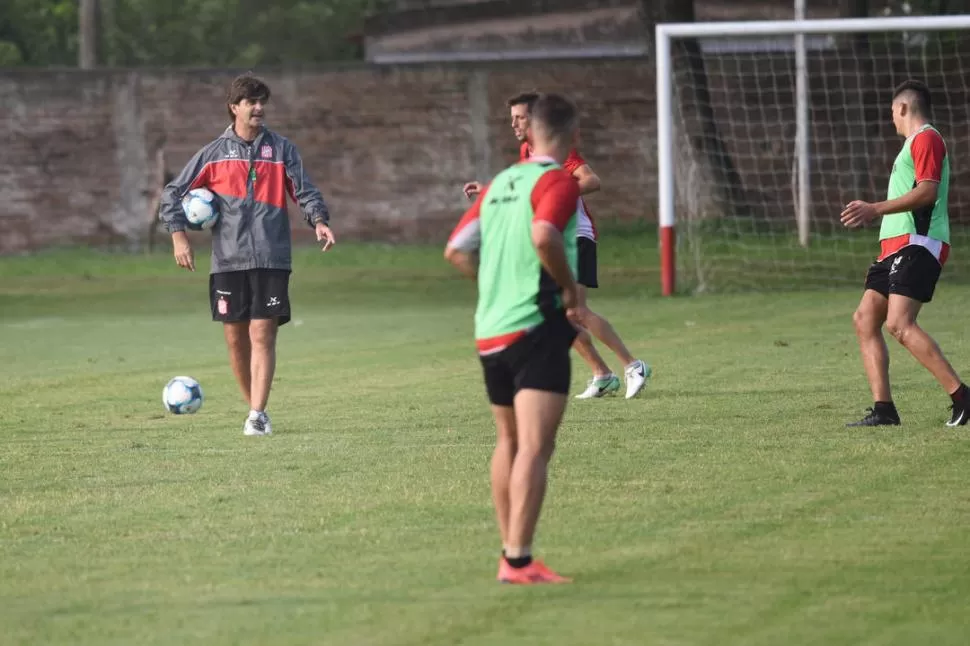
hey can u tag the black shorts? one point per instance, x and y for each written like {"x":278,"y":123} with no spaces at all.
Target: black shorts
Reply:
{"x":250,"y":294}
{"x":538,"y":361}
{"x":912,"y":271}
{"x":586,"y":262}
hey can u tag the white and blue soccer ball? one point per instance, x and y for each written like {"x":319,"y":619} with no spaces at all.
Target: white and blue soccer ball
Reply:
{"x":182,"y":396}
{"x":201,"y":208}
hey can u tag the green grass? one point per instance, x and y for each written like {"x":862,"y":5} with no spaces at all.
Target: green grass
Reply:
{"x":729,"y":505}
{"x":738,"y":255}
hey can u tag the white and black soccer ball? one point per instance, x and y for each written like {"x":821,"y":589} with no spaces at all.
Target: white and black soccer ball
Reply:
{"x":182,"y":396}
{"x":201,"y":208}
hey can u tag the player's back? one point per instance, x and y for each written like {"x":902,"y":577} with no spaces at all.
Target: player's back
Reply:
{"x":514,"y":291}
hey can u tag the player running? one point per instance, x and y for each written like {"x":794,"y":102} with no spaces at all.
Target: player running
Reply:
{"x":519,"y":241}
{"x":914,"y":239}
{"x":604,"y":381}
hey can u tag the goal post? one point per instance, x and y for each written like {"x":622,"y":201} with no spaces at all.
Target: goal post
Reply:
{"x":797,"y":112}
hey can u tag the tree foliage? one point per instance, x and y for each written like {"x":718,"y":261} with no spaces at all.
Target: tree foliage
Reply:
{"x":185,"y":32}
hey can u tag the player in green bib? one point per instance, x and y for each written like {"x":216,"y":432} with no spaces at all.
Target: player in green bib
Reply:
{"x":519,"y":241}
{"x":914,"y":244}
{"x":515,"y":292}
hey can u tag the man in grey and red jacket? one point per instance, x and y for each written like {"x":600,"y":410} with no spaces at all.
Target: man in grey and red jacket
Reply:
{"x":250,"y":169}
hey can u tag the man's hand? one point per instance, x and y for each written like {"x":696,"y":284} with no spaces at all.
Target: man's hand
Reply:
{"x":577,"y":315}
{"x":183,"y":250}
{"x":471,"y":190}
{"x":858,"y":213}
{"x":576,"y":311}
{"x":325,"y":235}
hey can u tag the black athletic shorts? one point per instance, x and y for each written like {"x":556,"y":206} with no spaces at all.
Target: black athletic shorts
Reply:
{"x":586,"y":262}
{"x":538,"y":361}
{"x":912,"y":271}
{"x":250,"y":294}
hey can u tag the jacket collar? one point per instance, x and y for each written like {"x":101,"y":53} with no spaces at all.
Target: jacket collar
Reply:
{"x":231,"y":135}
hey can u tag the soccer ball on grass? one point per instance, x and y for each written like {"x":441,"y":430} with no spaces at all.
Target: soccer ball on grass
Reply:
{"x":182,"y":396}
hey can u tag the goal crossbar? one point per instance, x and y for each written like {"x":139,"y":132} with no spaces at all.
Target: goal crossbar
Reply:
{"x":810,"y":27}
{"x":666,"y":32}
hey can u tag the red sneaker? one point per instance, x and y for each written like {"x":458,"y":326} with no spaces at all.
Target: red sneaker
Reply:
{"x":532,"y":574}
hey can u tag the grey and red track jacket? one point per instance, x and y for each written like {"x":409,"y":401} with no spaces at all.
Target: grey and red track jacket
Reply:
{"x":251,"y":182}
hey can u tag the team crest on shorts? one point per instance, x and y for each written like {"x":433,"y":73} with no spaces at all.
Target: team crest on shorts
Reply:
{"x":223,"y":305}
{"x":266,"y":152}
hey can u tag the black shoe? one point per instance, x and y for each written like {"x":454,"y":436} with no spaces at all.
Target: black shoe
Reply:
{"x":960,"y":416}
{"x":874,"y":418}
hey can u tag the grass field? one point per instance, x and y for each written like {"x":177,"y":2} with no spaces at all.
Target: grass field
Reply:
{"x":728,"y":505}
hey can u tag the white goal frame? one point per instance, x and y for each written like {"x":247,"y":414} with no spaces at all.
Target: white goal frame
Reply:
{"x":666,"y":32}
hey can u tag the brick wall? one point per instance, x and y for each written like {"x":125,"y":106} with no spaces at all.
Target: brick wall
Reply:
{"x":391,"y":146}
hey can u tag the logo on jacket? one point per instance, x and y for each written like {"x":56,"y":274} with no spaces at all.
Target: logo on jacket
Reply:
{"x":232,"y":154}
{"x":266,"y":152}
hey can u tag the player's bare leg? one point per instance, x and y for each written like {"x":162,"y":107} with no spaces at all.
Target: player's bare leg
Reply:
{"x":262,"y":337}
{"x":240,"y":352}
{"x":868,"y":320}
{"x":537,"y":417}
{"x":603,"y":330}
{"x":604,"y":382}
{"x":587,"y":351}
{"x":636,"y":371}
{"x":502,"y":458}
{"x":901,"y":323}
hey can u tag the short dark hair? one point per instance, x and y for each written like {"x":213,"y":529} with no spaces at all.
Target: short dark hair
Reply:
{"x":523,"y":98}
{"x":556,"y":114}
{"x":919,"y":95}
{"x":246,"y":86}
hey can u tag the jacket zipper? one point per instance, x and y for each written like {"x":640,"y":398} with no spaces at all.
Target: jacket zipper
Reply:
{"x":251,"y":196}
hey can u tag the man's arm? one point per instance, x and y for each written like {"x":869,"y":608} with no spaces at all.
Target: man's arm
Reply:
{"x":589,"y":182}
{"x":464,"y":261}
{"x":194,"y":175}
{"x":928,"y":152}
{"x":923,"y":195}
{"x":464,"y":242}
{"x":302,"y":190}
{"x":575,"y":165}
{"x":857,"y":213}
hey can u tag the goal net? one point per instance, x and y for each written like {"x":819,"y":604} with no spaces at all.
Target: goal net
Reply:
{"x":767,"y":129}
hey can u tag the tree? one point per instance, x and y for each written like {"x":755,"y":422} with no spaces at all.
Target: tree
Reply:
{"x":699,"y":137}
{"x":88,"y":35}
{"x":133,"y":33}
{"x":38,"y":32}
